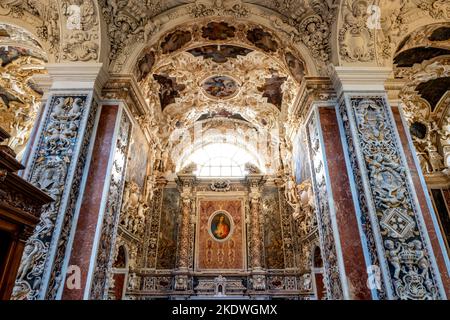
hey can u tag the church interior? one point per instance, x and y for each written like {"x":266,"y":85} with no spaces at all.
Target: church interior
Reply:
{"x":224,"y":149}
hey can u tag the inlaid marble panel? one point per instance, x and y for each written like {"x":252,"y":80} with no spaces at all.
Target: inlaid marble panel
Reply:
{"x":220,"y":242}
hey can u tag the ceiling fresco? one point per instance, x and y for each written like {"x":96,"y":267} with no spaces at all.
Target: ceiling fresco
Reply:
{"x":219,"y":53}
{"x":220,"y":86}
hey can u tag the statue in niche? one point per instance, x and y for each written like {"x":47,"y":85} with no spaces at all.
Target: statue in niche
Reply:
{"x":150,"y":187}
{"x":290,"y":190}
{"x":285,"y":156}
{"x":131,"y":196}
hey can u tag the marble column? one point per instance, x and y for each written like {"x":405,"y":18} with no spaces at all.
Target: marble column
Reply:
{"x":186,"y":184}
{"x":392,"y":215}
{"x":96,"y":229}
{"x":255,"y":183}
{"x":56,"y":163}
{"x":343,"y":255}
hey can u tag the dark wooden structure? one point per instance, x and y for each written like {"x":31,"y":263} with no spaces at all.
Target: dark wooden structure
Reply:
{"x":20,"y":209}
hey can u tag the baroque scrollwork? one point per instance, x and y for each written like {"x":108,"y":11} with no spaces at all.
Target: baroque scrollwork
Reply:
{"x":411,"y":269}
{"x":50,"y":172}
{"x":355,"y":38}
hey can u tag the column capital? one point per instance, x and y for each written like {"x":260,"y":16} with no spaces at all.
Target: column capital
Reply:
{"x":365,"y":79}
{"x":77,"y":76}
{"x":44,"y":83}
{"x":393,"y":88}
{"x":312,"y":89}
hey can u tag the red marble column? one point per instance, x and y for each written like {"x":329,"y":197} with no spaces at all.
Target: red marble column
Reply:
{"x":92,"y":199}
{"x":349,"y":236}
{"x":427,"y":215}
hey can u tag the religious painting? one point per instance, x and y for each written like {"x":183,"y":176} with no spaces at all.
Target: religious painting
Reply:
{"x":296,"y":67}
{"x":168,"y":233}
{"x":169,"y":89}
{"x":262,"y":40}
{"x":175,"y":40}
{"x":220,"y":235}
{"x":220,"y":86}
{"x":272,"y":90}
{"x":145,"y":65}
{"x":273,"y":237}
{"x":220,"y":226}
{"x":137,"y":162}
{"x":218,"y":31}
{"x":9,"y":54}
{"x":440,"y":34}
{"x":219,"y":54}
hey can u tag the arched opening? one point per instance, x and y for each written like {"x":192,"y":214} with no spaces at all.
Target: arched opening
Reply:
{"x":221,"y":160}
{"x":120,"y":274}
{"x":317,"y":269}
{"x":423,"y":64}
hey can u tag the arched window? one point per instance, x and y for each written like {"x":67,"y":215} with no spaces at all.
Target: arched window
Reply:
{"x":221,"y":160}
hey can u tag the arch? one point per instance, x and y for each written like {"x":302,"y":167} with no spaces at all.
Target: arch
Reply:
{"x":23,"y":60}
{"x":221,"y":160}
{"x":163,"y":25}
{"x":30,"y":29}
{"x":317,"y":257}
{"x":49,"y":21}
{"x":122,"y":259}
{"x":417,"y":41}
{"x":318,"y":273}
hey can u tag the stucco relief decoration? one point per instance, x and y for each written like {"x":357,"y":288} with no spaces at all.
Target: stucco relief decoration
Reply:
{"x":81,"y":32}
{"x":49,"y":172}
{"x":236,"y":70}
{"x":42,"y":15}
{"x":355,"y":38}
{"x":427,"y":120}
{"x":105,"y":250}
{"x":412,"y":272}
{"x":19,"y":95}
{"x":328,"y":248}
{"x":134,"y":209}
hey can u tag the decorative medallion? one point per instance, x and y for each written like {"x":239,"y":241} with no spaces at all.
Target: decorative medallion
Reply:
{"x":221,"y":185}
{"x":220,"y":225}
{"x":220,"y":87}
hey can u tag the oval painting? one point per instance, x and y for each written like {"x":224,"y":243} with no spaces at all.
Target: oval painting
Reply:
{"x":220,"y":226}
{"x":220,"y":86}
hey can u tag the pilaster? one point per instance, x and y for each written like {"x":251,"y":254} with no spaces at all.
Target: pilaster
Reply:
{"x":392,"y":219}
{"x":186,"y":183}
{"x":59,"y":156}
{"x":255,"y":183}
